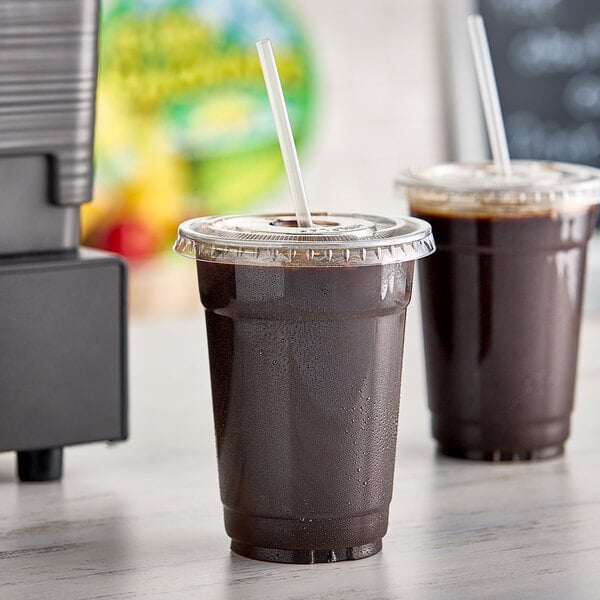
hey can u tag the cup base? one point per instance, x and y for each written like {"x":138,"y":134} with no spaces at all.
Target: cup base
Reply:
{"x":497,"y":455}
{"x":305,"y":557}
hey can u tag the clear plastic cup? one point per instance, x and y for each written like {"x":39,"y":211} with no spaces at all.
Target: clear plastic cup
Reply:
{"x":501,"y":302}
{"x":305,"y":332}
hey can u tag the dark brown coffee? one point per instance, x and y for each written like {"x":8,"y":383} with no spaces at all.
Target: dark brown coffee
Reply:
{"x":305,"y":368}
{"x":501,"y":303}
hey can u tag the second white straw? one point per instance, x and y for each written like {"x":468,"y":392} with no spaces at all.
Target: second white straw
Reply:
{"x":284,"y":132}
{"x":489,"y":93}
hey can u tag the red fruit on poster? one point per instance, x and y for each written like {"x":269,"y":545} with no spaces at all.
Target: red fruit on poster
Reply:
{"x":131,"y":239}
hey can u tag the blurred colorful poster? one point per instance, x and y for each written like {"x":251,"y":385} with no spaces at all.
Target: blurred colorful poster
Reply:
{"x":183,"y":124}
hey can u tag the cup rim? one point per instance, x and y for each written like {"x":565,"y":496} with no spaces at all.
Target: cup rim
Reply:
{"x":347,"y":239}
{"x":534,"y":186}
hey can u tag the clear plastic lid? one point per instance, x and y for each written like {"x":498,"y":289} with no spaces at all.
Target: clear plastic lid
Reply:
{"x":534,"y":186}
{"x":334,"y":240}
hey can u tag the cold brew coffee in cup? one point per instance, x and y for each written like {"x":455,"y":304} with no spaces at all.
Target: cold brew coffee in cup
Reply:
{"x":501,"y":302}
{"x":305,"y":332}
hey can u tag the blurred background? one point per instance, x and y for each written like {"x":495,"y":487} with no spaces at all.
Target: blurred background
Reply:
{"x":184,"y":128}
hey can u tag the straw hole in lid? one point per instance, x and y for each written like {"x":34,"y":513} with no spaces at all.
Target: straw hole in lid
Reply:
{"x":292,"y":222}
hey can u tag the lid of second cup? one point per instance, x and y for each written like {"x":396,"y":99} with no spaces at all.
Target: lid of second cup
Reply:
{"x":532,"y":186}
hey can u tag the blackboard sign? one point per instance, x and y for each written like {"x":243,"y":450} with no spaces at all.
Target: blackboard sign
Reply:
{"x":546,"y":55}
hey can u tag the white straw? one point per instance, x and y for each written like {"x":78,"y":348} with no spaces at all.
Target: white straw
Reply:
{"x":489,"y":93}
{"x":284,"y":132}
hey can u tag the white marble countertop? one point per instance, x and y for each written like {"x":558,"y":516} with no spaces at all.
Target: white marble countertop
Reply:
{"x":143,"y":519}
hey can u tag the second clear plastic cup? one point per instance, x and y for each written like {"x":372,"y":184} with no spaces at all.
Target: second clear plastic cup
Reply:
{"x":305,"y":332}
{"x":501,"y":302}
